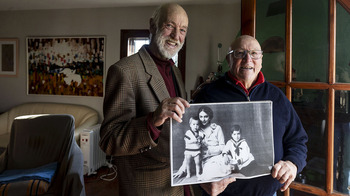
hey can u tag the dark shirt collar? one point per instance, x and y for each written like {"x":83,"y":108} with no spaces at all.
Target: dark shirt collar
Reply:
{"x":158,"y":61}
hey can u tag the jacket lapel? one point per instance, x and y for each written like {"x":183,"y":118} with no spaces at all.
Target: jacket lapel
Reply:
{"x":178,"y":79}
{"x":155,"y":81}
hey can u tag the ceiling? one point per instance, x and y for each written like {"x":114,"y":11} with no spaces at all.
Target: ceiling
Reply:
{"x":10,"y":5}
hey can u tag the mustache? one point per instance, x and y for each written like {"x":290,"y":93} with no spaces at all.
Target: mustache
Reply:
{"x":173,"y":40}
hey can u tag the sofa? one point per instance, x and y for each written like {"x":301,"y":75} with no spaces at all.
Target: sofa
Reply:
{"x":84,"y":116}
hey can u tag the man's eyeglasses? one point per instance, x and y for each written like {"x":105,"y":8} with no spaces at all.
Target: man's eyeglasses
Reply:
{"x":240,"y":54}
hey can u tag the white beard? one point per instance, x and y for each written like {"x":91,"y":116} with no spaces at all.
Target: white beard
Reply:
{"x":165,"y":52}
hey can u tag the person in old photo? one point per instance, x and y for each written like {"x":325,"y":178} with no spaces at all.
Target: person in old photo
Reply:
{"x":193,"y":141}
{"x":211,"y":149}
{"x":237,"y":152}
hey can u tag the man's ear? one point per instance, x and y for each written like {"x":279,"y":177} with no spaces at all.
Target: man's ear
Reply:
{"x":229,"y":63}
{"x":152,"y":26}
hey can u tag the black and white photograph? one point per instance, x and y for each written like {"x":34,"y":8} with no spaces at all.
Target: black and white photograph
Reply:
{"x":218,"y":140}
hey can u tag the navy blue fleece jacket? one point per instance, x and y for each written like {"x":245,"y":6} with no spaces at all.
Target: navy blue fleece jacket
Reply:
{"x":289,"y":135}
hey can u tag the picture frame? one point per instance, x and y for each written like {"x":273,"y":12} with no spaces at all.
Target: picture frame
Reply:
{"x":71,"y":66}
{"x":8,"y":57}
{"x":220,"y":140}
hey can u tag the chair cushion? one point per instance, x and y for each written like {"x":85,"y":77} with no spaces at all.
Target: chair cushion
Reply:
{"x":28,"y":187}
{"x":44,"y":172}
{"x":34,"y":181}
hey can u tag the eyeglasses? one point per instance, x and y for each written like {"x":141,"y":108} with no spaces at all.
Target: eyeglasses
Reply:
{"x":240,"y":54}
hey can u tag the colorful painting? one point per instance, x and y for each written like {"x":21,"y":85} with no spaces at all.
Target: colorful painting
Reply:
{"x":66,"y":65}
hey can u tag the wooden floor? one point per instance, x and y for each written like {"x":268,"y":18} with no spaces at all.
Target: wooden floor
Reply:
{"x":94,"y":186}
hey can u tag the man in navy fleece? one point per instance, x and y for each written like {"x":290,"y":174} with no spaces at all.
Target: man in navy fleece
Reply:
{"x":245,"y":82}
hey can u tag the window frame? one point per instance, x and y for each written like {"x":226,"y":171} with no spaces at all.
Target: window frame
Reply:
{"x":248,"y":24}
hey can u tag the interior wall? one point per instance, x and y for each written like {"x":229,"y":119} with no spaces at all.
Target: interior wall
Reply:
{"x":209,"y":25}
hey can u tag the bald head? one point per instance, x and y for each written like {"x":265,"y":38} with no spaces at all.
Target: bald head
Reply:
{"x":237,"y":43}
{"x":161,"y":14}
{"x":243,"y":66}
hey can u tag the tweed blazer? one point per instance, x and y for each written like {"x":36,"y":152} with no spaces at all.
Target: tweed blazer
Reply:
{"x":134,"y":88}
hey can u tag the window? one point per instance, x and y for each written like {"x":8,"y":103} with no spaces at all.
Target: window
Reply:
{"x":135,"y":43}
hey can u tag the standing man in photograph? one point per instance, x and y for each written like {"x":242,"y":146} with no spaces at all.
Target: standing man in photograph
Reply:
{"x":143,"y":92}
{"x":245,"y":82}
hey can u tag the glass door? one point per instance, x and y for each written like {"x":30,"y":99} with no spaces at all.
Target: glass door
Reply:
{"x":307,"y":54}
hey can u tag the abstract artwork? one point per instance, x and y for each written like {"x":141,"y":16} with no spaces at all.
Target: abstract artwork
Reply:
{"x":66,"y":65}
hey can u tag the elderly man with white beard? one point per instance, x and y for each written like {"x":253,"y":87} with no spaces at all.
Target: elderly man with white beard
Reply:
{"x":143,"y":92}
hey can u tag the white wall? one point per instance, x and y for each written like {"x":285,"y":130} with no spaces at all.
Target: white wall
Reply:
{"x":209,"y":25}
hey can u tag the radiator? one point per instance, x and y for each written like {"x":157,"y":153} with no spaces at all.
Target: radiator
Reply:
{"x":94,"y":157}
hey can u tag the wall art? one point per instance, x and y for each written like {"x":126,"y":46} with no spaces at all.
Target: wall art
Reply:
{"x":8,"y":57}
{"x":66,"y":65}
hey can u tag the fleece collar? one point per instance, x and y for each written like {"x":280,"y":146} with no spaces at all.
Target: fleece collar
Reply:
{"x":260,"y":80}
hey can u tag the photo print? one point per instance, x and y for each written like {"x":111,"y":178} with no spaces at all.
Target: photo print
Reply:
{"x":219,"y":140}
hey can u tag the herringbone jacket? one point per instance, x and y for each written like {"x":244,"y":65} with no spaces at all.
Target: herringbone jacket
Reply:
{"x":134,"y":88}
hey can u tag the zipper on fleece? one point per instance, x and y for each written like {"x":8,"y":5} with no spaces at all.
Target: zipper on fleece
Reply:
{"x":240,"y":89}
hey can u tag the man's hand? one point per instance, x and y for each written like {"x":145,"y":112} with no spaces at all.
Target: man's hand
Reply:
{"x":215,"y":188}
{"x":170,"y":108}
{"x":285,"y":172}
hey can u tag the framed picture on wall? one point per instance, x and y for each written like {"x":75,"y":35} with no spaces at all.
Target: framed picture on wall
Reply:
{"x":8,"y":57}
{"x":65,"y":65}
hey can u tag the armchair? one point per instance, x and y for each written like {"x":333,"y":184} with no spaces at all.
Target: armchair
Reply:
{"x":84,"y":117}
{"x":38,"y":140}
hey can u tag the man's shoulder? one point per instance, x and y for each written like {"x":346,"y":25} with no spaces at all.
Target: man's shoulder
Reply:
{"x":210,"y":90}
{"x":128,"y":60}
{"x":129,"y":63}
{"x":208,"y":86}
{"x":271,"y":86}
{"x":275,"y":93}
{"x":138,"y":56}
